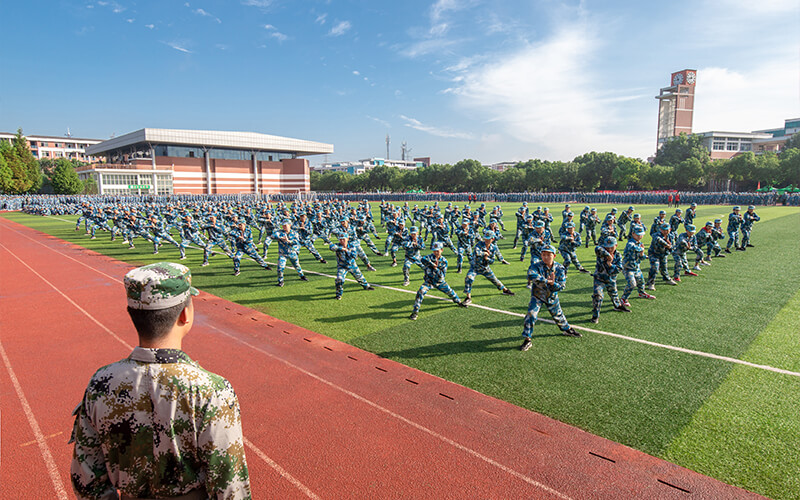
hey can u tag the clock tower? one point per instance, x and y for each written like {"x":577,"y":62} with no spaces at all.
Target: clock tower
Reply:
{"x":676,"y":105}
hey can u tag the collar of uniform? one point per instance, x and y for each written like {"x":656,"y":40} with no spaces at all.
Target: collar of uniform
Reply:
{"x":148,"y":355}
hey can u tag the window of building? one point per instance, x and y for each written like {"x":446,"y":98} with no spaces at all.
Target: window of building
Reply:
{"x":733,"y":146}
{"x":745,"y":146}
{"x":718,"y":145}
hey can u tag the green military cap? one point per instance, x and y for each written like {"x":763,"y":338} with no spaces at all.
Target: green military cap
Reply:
{"x":158,"y":286}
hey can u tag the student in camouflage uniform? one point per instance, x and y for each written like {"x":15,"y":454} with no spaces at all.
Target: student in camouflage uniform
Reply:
{"x":658,"y":221}
{"x":217,"y":235}
{"x":691,"y":213}
{"x":685,"y":242}
{"x":243,"y":245}
{"x":435,"y":268}
{"x":520,"y":214}
{"x":412,"y":246}
{"x":636,"y":224}
{"x":570,"y":241}
{"x":397,"y":238}
{"x":305,"y":235}
{"x":592,"y":220}
{"x":608,"y":265}
{"x":157,"y":425}
{"x":549,"y":278}
{"x":465,"y":236}
{"x":160,"y":232}
{"x":748,"y":219}
{"x":582,"y":218}
{"x":631,"y":258}
{"x":483,"y":255}
{"x":734,"y":221}
{"x":716,"y":234}
{"x":346,"y":263}
{"x":657,"y":254}
{"x":288,"y":244}
{"x":624,"y":218}
{"x":676,"y":220}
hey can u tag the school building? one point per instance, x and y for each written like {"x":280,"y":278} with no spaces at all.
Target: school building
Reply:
{"x":54,"y":147}
{"x":174,"y":161}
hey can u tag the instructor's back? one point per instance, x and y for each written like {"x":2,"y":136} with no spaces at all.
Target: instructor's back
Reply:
{"x":157,"y":425}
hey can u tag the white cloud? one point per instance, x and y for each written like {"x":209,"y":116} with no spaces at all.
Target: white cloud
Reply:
{"x":438,"y":132}
{"x":177,"y":46}
{"x":424,"y":47}
{"x":115,"y":7}
{"x":274,"y":33}
{"x":150,"y":26}
{"x":547,"y":95}
{"x":355,"y":72}
{"x":441,"y":6}
{"x":261,"y":4}
{"x":201,"y":12}
{"x":130,"y":20}
{"x":321,"y":19}
{"x":759,"y":97}
{"x":340,"y":29}
{"x":382,"y":122}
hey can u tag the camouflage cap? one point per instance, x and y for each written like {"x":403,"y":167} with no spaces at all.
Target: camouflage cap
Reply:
{"x":610,"y":242}
{"x":690,"y":228}
{"x":538,"y":223}
{"x":158,"y":286}
{"x":437,"y":246}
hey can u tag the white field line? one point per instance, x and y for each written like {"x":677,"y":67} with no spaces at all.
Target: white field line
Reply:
{"x":583,"y":328}
{"x":50,"y":464}
{"x":397,"y":416}
{"x":358,"y":397}
{"x":52,"y":469}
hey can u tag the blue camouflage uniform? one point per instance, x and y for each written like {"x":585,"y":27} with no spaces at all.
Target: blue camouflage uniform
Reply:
{"x":483,"y":255}
{"x":346,"y":263}
{"x":567,"y":246}
{"x":605,"y":276}
{"x":748,"y":219}
{"x":244,"y":245}
{"x":659,"y":249}
{"x":544,"y":293}
{"x":465,"y":237}
{"x":734,"y":221}
{"x":412,"y":248}
{"x":288,"y":244}
{"x":631,"y":259}
{"x":435,"y":270}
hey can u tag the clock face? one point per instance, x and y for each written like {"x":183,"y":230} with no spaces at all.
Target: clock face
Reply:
{"x":677,"y":79}
{"x":691,"y":77}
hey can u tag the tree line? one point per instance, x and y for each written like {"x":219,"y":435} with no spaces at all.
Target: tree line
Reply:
{"x":682,"y":163}
{"x":21,"y":172}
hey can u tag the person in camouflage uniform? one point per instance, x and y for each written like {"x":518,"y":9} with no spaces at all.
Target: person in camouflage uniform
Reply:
{"x":465,"y":237}
{"x":570,"y":241}
{"x":608,"y":265}
{"x":734,"y":221}
{"x":747,"y":225}
{"x":624,"y":218}
{"x":632,"y":256}
{"x":685,"y":242}
{"x":288,"y":245}
{"x":435,"y":268}
{"x":483,"y":255}
{"x":657,"y":254}
{"x":346,"y":263}
{"x":548,"y":278}
{"x":243,"y":244}
{"x":716,"y":234}
{"x":412,"y":246}
{"x":156,"y":424}
{"x":592,"y":220}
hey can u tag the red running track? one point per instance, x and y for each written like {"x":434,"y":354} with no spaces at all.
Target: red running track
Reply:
{"x":321,"y":419}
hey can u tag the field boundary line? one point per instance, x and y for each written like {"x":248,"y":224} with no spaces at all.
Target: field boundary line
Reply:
{"x":44,"y":449}
{"x":52,"y":469}
{"x":397,"y":416}
{"x":520,"y":315}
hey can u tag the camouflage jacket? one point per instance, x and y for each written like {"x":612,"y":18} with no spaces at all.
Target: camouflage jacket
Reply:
{"x":157,"y":425}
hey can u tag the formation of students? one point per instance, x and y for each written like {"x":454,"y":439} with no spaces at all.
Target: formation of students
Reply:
{"x":236,"y":228}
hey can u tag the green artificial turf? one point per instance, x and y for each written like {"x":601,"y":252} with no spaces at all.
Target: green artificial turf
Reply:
{"x":643,"y":396}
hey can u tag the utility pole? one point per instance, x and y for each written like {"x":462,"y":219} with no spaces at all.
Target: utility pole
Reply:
{"x":387,"y":146}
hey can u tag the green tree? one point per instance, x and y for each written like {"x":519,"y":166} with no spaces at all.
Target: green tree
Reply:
{"x":682,"y":147}
{"x":792,"y":142}
{"x":90,"y":186}
{"x":64,"y":179}
{"x":595,"y":171}
{"x":18,"y":182}
{"x":6,"y":175}
{"x":626,"y":174}
{"x":790,"y":167}
{"x":689,"y":174}
{"x":29,"y":165}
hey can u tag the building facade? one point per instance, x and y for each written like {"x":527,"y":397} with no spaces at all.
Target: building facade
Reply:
{"x":676,"y":105}
{"x":52,"y":147}
{"x":167,"y":161}
{"x":726,"y":145}
{"x":360,"y":166}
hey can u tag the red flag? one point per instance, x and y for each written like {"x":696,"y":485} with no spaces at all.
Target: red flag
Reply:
{"x":759,"y":185}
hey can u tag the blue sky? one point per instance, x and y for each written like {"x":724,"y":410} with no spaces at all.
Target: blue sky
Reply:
{"x":490,"y":80}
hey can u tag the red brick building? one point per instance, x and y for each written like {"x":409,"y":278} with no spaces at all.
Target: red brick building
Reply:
{"x":166,"y":161}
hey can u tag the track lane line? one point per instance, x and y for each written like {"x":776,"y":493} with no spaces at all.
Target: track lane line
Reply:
{"x":44,"y":449}
{"x":356,"y":396}
{"x":518,"y":315}
{"x":52,"y":469}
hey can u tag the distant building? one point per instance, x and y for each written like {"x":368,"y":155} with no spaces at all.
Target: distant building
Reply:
{"x":167,"y":161}
{"x":725,"y":145}
{"x":676,"y":105}
{"x":53,"y":147}
{"x":503,"y":165}
{"x":426,"y":161}
{"x":360,"y":166}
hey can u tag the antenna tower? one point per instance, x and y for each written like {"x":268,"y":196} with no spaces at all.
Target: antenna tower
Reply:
{"x":387,"y":146}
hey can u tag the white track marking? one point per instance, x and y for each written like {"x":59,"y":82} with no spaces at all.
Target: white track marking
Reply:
{"x":52,"y":469}
{"x":280,"y":470}
{"x":358,"y":397}
{"x":545,"y":320}
{"x":40,"y":437}
{"x":397,"y":416}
